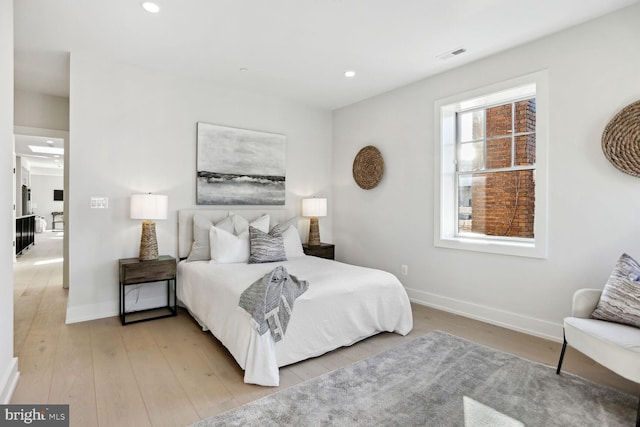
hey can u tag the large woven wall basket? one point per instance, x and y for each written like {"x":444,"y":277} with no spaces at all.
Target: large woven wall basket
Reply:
{"x":621,"y":140}
{"x":368,"y":167}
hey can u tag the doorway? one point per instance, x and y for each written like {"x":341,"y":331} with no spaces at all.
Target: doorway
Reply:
{"x":41,"y":181}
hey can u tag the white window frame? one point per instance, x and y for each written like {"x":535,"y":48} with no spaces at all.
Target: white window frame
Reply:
{"x":446,"y":188}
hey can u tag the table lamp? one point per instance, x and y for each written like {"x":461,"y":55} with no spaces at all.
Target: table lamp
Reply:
{"x":149,"y":207}
{"x":314,"y":208}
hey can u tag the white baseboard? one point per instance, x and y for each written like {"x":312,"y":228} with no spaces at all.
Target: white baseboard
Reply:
{"x":506,"y":319}
{"x":101,"y":310}
{"x":88,"y":312}
{"x":9,"y":381}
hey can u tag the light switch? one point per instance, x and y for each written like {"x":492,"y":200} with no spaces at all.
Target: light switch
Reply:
{"x":99,"y":202}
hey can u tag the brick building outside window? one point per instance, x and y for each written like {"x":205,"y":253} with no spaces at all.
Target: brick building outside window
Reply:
{"x":495,"y":169}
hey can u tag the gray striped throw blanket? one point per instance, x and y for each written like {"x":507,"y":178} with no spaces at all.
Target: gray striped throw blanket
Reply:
{"x":269,"y":301}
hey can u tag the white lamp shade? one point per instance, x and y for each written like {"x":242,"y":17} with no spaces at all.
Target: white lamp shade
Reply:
{"x":314,"y":207}
{"x":149,"y":206}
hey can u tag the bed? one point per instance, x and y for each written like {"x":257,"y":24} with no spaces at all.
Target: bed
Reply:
{"x":342,"y":305}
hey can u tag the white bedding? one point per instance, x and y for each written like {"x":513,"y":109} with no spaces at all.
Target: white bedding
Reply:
{"x":344,"y":304}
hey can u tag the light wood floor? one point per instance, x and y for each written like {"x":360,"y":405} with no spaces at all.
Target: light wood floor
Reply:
{"x":168,"y":372}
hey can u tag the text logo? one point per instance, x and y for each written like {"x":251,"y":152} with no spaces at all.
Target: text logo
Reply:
{"x":34,"y":415}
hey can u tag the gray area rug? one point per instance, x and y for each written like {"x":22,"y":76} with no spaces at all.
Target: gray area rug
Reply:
{"x":439,"y":380}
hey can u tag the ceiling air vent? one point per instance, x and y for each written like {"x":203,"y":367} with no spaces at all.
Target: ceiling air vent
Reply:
{"x":452,"y":53}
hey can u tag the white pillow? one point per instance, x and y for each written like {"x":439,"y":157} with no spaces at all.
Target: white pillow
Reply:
{"x":201,"y":249}
{"x":294,"y":220}
{"x":227,"y":248}
{"x":240,"y":224}
{"x":292,"y":243}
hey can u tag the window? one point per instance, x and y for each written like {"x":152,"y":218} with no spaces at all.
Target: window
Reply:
{"x":491,"y":180}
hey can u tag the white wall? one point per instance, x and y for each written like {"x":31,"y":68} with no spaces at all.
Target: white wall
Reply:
{"x":42,"y":187}
{"x":133,"y":130}
{"x":38,"y":110}
{"x":593,"y":208}
{"x":8,"y":363}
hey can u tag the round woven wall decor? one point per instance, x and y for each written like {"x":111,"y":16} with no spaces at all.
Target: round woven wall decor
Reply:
{"x":368,"y":167}
{"x":621,"y":140}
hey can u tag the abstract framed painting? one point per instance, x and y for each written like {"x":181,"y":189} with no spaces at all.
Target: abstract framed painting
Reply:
{"x":239,"y":166}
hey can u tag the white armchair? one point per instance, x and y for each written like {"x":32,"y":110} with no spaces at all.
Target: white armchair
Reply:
{"x":612,"y":345}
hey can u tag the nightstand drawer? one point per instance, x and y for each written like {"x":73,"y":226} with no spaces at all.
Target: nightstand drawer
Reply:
{"x":324,"y":250}
{"x":132,"y":270}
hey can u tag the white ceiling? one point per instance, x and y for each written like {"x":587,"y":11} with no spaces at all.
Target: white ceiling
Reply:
{"x":40,"y":163}
{"x":298,"y":49}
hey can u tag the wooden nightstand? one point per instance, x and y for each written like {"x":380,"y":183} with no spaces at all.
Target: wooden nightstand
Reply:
{"x":325,"y":250}
{"x":135,"y":272}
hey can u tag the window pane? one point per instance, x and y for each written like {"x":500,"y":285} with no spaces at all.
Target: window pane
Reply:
{"x":526,"y":116}
{"x":470,"y":125}
{"x":525,"y":150}
{"x":464,"y":203}
{"x":499,"y":153}
{"x":499,"y":121}
{"x":500,"y":204}
{"x":470,"y":156}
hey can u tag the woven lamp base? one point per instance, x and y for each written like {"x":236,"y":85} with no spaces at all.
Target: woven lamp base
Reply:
{"x":148,"y":242}
{"x":314,"y":232}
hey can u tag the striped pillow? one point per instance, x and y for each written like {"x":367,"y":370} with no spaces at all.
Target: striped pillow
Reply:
{"x":620,"y":299}
{"x":266,"y":247}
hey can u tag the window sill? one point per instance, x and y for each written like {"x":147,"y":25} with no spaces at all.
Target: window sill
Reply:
{"x":522,"y":249}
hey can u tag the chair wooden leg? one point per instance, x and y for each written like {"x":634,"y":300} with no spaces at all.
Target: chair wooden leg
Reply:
{"x":564,"y":347}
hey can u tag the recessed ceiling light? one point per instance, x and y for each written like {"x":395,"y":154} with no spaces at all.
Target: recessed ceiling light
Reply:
{"x":350,"y":73}
{"x":46,"y":150}
{"x":244,"y":70}
{"x":151,"y":7}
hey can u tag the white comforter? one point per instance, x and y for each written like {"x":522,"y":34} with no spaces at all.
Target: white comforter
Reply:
{"x":344,"y":304}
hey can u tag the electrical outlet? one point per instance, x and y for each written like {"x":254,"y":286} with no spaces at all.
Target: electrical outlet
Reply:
{"x":404,"y":269}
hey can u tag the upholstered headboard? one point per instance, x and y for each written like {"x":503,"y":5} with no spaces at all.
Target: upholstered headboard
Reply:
{"x":185,"y":222}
